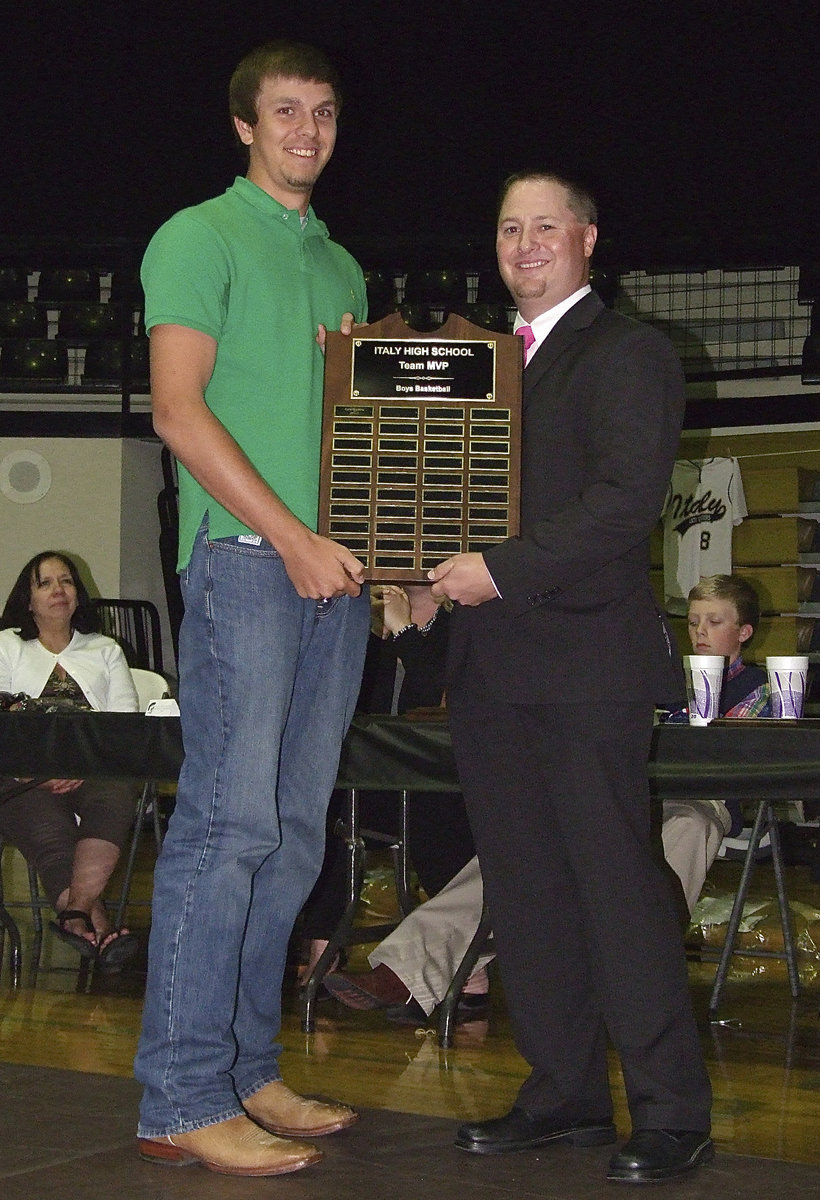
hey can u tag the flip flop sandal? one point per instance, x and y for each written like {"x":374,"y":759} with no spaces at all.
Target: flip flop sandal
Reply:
{"x":118,"y":950}
{"x":82,"y":945}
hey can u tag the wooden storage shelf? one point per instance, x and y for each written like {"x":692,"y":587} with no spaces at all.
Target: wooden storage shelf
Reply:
{"x":757,"y":541}
{"x":780,"y":588}
{"x":778,"y":489}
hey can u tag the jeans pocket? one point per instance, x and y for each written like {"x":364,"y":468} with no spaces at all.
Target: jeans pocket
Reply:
{"x":232,"y":545}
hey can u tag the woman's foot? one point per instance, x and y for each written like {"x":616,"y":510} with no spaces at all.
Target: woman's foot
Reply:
{"x":91,"y":935}
{"x":75,"y":927}
{"x":116,"y":947}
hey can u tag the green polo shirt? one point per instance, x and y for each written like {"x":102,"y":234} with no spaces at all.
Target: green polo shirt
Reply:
{"x":242,"y":269}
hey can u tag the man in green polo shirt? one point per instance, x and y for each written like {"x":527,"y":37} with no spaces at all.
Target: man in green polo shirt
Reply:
{"x":239,"y":293}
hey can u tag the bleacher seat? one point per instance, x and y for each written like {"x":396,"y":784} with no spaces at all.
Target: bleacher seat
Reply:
{"x":88,"y":321}
{"x":22,"y":319}
{"x":58,"y":285}
{"x":13,"y":283}
{"x":33,"y":360}
{"x":489,"y":316}
{"x":424,"y":318}
{"x":381,"y":294}
{"x":491,"y":288}
{"x":441,"y":288}
{"x":104,"y":361}
{"x":126,"y":288}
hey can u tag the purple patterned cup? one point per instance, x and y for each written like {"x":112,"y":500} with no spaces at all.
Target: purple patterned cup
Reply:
{"x":704,"y":680}
{"x":787,"y":681}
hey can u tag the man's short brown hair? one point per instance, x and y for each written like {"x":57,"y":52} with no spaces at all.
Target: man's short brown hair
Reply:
{"x":579,"y":198}
{"x":288,"y":60}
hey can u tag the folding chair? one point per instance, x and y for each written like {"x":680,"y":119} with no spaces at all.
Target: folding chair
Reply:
{"x":135,"y":625}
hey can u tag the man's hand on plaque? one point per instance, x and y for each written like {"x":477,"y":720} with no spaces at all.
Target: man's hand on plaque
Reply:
{"x":320,"y":569}
{"x":346,"y":326}
{"x":464,"y":578}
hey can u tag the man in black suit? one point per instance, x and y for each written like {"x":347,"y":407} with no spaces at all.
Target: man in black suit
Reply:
{"x":558,"y":655}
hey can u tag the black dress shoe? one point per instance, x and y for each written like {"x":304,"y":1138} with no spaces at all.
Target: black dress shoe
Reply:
{"x":652,"y":1155}
{"x":521,"y":1130}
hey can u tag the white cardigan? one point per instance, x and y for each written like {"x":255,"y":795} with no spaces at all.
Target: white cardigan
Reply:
{"x":94,"y":661}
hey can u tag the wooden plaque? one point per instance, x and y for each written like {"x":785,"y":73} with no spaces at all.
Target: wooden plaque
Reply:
{"x":421,"y":443}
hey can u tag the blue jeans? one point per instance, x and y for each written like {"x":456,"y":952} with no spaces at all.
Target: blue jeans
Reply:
{"x":268,"y":684}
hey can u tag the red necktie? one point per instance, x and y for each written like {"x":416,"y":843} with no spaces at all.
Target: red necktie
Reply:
{"x":525,"y":332}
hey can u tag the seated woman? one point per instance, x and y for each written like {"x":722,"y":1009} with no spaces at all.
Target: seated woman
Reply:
{"x":70,"y":830}
{"x":404,"y":670}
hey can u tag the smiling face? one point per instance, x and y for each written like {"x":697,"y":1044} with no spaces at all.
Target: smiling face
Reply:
{"x":292,"y":140}
{"x":714,"y":628}
{"x":543,"y":247}
{"x":53,"y":595}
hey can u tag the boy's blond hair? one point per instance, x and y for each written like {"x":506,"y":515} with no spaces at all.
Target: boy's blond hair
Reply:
{"x":737,"y":591}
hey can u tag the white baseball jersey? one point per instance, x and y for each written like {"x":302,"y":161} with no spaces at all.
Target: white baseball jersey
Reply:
{"x":704,"y":501}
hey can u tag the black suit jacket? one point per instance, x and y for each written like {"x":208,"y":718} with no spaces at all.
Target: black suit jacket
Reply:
{"x":603,"y":403}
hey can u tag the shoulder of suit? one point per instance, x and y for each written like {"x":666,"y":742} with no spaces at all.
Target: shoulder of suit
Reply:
{"x":618,"y":326}
{"x":591,"y":313}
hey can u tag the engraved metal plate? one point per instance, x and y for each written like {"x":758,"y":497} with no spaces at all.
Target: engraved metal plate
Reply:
{"x":420,"y":444}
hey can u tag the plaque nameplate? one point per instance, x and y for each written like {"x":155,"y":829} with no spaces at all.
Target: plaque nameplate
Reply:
{"x":421,"y":443}
{"x":392,"y":368}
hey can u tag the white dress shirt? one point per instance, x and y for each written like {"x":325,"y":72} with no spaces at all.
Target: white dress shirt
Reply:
{"x":545,"y":322}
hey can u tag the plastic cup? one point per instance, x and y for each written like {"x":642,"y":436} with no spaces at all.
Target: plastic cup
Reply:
{"x":787,"y":680}
{"x":704,"y":681}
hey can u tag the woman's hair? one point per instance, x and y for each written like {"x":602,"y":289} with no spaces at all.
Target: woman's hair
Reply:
{"x":17,"y":615}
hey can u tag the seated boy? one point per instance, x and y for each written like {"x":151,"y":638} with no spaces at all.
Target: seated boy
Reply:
{"x":723,"y":613}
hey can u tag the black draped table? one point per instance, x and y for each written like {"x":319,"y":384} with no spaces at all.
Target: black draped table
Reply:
{"x":746,"y":759}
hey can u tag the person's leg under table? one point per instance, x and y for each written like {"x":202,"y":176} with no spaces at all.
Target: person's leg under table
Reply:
{"x":425,"y":950}
{"x":42,"y":826}
{"x":692,"y":831}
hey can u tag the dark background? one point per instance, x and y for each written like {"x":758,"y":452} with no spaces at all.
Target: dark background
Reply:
{"x":697,"y":123}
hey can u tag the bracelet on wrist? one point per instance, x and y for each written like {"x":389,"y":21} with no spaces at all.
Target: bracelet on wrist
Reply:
{"x":404,"y":629}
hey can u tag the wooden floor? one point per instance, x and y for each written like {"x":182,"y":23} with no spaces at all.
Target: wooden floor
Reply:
{"x":763,"y":1055}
